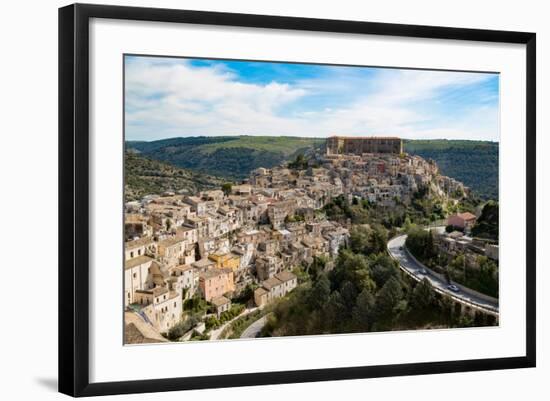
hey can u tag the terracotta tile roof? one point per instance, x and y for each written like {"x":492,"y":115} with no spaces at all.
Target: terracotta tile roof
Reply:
{"x":285,"y":276}
{"x":140,"y":260}
{"x":271,"y":282}
{"x":467,"y":216}
{"x":219,"y":301}
{"x":170,"y":241}
{"x":138,"y":242}
{"x":182,"y":268}
{"x":157,"y":291}
{"x":260,"y":291}
{"x":214,"y":272}
{"x":203,"y":263}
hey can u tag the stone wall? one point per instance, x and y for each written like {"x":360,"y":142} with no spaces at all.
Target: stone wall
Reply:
{"x":359,"y":145}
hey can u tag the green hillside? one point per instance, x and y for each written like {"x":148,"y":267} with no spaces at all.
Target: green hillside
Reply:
{"x":475,"y":163}
{"x":144,"y":176}
{"x":232,"y":157}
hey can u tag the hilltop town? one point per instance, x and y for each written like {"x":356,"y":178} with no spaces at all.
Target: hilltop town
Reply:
{"x":239,"y":244}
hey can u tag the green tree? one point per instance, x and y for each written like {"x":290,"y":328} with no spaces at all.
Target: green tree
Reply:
{"x":317,"y":266}
{"x":364,"y":310}
{"x":299,"y":163}
{"x":360,"y":238}
{"x":302,"y":276}
{"x":351,"y":267}
{"x":420,"y":243}
{"x":368,"y":240}
{"x":226,"y":188}
{"x":458,"y":267}
{"x":382,"y":268}
{"x":334,"y":312}
{"x":423,"y":295}
{"x":388,"y":298}
{"x":487,"y":276}
{"x":319,"y":292}
{"x":379,"y":239}
{"x":348,"y":291}
{"x":183,"y":327}
{"x":487,"y":224}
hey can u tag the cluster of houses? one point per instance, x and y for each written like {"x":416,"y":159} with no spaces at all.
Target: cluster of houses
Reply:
{"x":216,"y":243}
{"x":386,"y":178}
{"x":458,"y":240}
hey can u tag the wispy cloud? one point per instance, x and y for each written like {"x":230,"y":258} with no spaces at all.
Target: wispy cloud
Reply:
{"x":178,"y":97}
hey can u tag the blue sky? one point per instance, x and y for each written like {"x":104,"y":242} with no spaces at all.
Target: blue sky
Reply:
{"x":172,"y":97}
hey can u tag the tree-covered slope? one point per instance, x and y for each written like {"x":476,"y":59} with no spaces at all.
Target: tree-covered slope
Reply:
{"x":232,"y":157}
{"x":145,"y":176}
{"x":475,"y":163}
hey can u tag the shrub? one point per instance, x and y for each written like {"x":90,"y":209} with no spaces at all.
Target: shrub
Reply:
{"x":183,"y":327}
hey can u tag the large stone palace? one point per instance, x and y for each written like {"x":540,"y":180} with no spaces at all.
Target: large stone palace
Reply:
{"x":361,"y":144}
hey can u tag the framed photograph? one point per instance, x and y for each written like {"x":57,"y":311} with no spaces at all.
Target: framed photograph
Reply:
{"x":251,"y":199}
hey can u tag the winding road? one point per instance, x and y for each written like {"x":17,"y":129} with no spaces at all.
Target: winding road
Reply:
{"x":397,"y":250}
{"x":215,"y":334}
{"x":254,"y":329}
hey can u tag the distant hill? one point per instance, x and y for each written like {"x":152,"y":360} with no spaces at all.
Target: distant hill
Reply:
{"x":144,"y":176}
{"x":475,"y":163}
{"x":232,"y":157}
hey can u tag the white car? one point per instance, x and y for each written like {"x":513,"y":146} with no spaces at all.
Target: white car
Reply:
{"x":453,"y":288}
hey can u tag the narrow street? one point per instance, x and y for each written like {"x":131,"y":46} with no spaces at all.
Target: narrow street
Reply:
{"x":214,"y":334}
{"x":254,"y":329}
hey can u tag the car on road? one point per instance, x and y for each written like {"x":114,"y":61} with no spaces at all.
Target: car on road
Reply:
{"x":453,"y":288}
{"x":400,"y":248}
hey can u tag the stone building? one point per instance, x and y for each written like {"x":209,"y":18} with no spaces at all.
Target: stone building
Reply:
{"x":358,"y":145}
{"x":137,"y":276}
{"x":162,"y":308}
{"x":275,"y":287}
{"x":221,"y":304}
{"x":215,"y":283}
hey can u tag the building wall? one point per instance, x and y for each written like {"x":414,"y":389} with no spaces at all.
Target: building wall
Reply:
{"x":456,"y":221}
{"x":171,"y":254}
{"x":136,"y":278}
{"x":260,"y":298}
{"x":166,"y":313}
{"x":359,"y":145}
{"x":217,"y":285}
{"x":228,"y":260}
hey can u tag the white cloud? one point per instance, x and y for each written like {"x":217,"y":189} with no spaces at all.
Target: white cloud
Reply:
{"x":166,"y":99}
{"x":174,"y":98}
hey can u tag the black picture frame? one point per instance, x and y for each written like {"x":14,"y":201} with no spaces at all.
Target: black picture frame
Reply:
{"x":74,"y":198}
